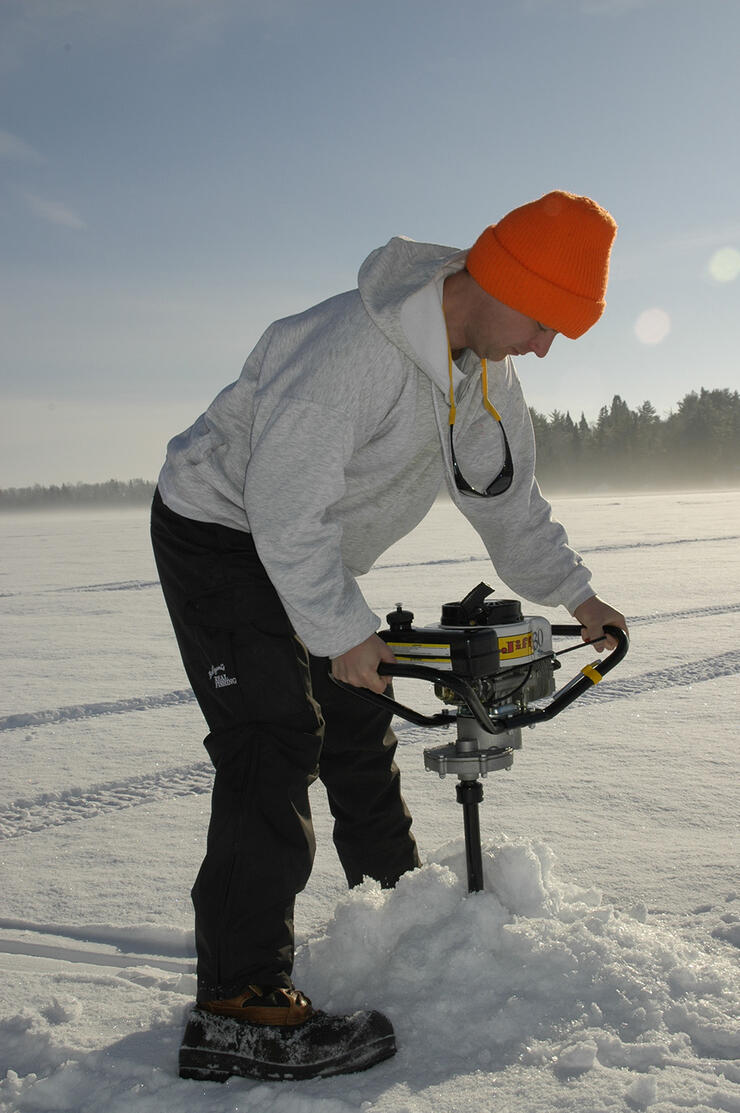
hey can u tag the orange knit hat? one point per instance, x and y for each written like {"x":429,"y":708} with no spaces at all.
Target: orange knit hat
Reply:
{"x":548,"y":259}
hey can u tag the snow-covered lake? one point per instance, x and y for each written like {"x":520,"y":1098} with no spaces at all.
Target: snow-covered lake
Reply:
{"x":599,"y":969}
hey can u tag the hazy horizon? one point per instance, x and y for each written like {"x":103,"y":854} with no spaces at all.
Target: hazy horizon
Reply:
{"x":175,"y":176}
{"x":551,"y":491}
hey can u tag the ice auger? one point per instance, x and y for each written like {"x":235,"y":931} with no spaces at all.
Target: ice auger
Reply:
{"x":494,"y":669}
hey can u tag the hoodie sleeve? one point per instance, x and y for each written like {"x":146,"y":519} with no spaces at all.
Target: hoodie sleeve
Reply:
{"x":295,"y":475}
{"x":530,"y":551}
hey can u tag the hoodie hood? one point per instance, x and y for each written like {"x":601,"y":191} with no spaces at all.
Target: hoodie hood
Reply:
{"x":401,"y":288}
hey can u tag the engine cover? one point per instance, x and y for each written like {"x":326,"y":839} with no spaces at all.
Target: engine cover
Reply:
{"x":472,"y":652}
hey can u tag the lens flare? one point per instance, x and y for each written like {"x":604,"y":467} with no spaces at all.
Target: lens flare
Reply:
{"x":652,"y":326}
{"x":724,"y":266}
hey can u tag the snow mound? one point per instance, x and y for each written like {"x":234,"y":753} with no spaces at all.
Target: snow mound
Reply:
{"x":531,"y":970}
{"x":533,"y":994}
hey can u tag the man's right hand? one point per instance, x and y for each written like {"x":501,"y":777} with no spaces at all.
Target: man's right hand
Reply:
{"x":359,"y":665}
{"x":593,"y":615}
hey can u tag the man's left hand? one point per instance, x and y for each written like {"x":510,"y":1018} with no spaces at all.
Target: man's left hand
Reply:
{"x":594,"y":614}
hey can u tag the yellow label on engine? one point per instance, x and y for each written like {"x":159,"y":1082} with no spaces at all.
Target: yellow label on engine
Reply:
{"x":520,"y":645}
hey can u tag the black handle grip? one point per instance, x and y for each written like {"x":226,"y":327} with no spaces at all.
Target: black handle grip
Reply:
{"x":575,"y":687}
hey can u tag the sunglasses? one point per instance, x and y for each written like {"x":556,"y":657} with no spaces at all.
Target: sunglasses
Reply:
{"x":505,"y":477}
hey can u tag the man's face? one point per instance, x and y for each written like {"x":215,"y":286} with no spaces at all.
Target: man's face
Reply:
{"x":495,"y":330}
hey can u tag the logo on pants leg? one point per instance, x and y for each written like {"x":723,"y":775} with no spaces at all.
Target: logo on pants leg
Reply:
{"x":217,"y":673}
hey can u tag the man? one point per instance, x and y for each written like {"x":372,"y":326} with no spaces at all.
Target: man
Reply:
{"x":333,"y":443}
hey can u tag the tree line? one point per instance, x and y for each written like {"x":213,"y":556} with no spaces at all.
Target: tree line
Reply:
{"x":697,"y":445}
{"x":114,"y":492}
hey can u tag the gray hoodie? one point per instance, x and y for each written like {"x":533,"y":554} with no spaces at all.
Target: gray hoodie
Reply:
{"x":334,"y":442}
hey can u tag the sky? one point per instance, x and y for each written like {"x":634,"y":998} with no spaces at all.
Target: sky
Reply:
{"x":176,"y":174}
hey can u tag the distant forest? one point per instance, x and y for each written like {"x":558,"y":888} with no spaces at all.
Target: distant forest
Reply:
{"x":697,"y":445}
{"x":114,"y":492}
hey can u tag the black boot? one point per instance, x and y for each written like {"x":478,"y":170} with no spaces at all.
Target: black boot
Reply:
{"x":275,"y":1034}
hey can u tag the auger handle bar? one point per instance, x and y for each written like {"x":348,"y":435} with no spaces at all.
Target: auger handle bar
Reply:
{"x":496,"y":724}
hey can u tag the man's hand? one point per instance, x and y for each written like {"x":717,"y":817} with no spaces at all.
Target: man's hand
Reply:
{"x":593,"y":615}
{"x":359,"y":665}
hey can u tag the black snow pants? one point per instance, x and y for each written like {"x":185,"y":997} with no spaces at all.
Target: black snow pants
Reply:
{"x":276,"y":722}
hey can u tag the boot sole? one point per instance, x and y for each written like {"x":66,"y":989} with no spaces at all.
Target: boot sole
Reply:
{"x":218,"y":1064}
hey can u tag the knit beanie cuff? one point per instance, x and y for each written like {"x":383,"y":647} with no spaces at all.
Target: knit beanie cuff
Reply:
{"x":548,"y":260}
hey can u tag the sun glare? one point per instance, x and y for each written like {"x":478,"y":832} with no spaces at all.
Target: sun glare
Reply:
{"x":724,"y":266}
{"x":652,"y":326}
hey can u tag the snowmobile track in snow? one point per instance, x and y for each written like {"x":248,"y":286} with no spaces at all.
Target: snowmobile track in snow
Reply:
{"x":691,"y":673}
{"x":162,"y":952}
{"x":29,"y":816}
{"x":93,"y":710}
{"x":625,"y":546}
{"x":52,"y":809}
{"x":63,"y":954}
{"x":616,"y":547}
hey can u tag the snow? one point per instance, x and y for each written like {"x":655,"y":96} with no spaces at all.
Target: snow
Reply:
{"x":598,"y":971}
